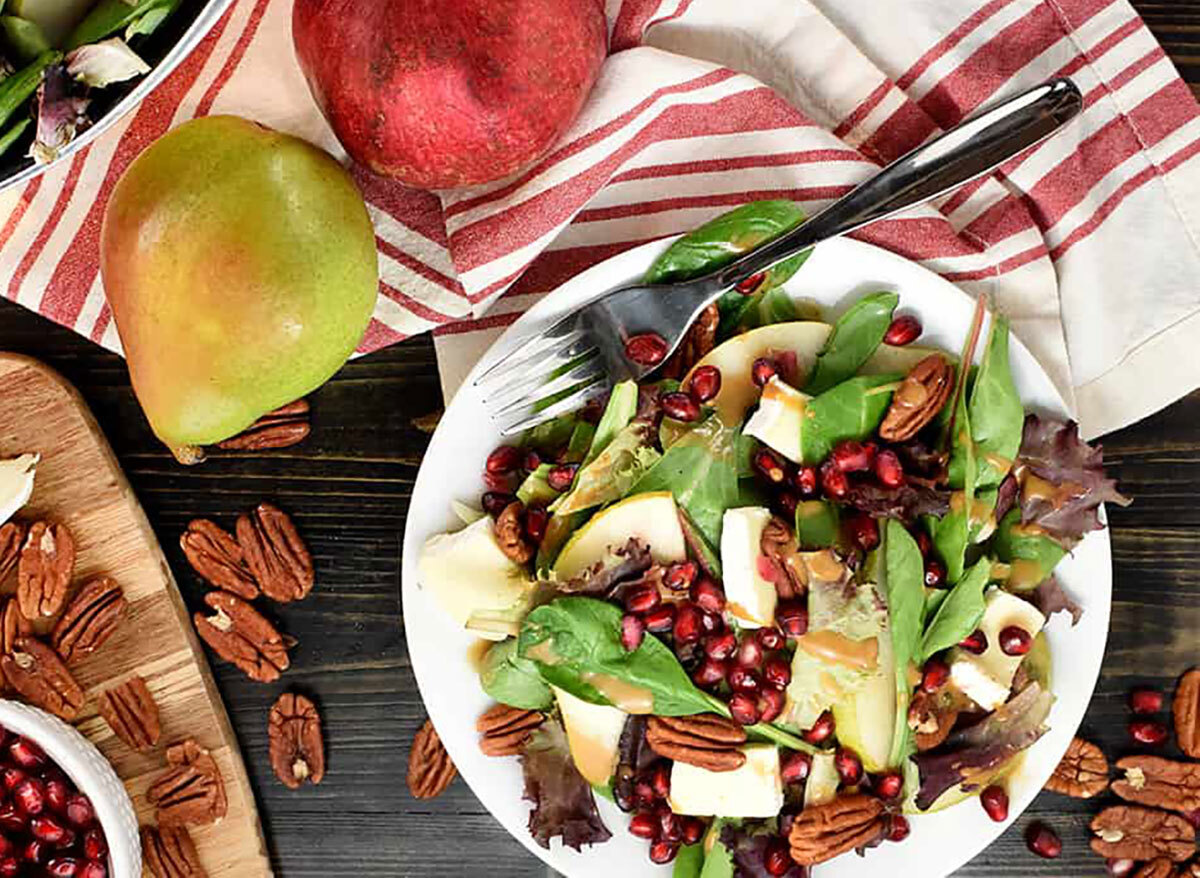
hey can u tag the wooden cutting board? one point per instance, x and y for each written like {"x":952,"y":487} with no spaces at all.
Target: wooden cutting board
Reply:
{"x":80,"y":484}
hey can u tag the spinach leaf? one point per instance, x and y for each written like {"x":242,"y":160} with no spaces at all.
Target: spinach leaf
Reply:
{"x":18,"y":87}
{"x":580,"y":442}
{"x":817,"y":524}
{"x":851,"y":410}
{"x":905,"y":590}
{"x":959,"y":613}
{"x":109,"y":16}
{"x":12,"y":134}
{"x":512,"y":680}
{"x":997,"y":416}
{"x":552,"y":435}
{"x":689,"y":862}
{"x":934,"y":598}
{"x":951,"y":533}
{"x":772,"y":304}
{"x":1030,"y":553}
{"x":855,"y":336}
{"x":622,"y":406}
{"x":719,"y":862}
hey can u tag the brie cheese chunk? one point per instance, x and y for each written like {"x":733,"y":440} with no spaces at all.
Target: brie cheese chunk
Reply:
{"x":987,"y":678}
{"x":779,"y":419}
{"x":749,"y":597}
{"x":754,"y":790}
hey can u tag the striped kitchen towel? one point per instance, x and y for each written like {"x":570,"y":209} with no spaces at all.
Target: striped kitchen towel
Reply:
{"x":1089,"y":242}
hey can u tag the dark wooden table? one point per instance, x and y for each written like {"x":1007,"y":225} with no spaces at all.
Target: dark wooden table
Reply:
{"x":348,"y":487}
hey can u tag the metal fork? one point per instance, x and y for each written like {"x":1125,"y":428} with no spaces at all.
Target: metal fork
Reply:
{"x":580,"y":357}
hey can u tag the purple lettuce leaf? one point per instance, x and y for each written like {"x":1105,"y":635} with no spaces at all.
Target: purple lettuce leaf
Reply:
{"x":1050,"y":597}
{"x":61,"y":114}
{"x":563,"y":802}
{"x":748,"y":842}
{"x":618,"y":564}
{"x":634,"y":756}
{"x":907,"y":502}
{"x":1006,"y":496}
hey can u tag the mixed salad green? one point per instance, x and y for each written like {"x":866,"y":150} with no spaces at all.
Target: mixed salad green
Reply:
{"x":808,"y":580}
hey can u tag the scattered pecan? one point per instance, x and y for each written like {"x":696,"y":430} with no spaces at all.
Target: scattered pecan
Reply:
{"x":275,"y":554}
{"x":430,"y":770}
{"x":131,"y":713}
{"x":510,"y":534}
{"x":297,"y":746}
{"x":12,"y":536}
{"x":215,"y":555}
{"x":44,"y":571}
{"x":169,"y":852}
{"x":1159,"y":783}
{"x":823,"y":832}
{"x":239,"y":634}
{"x":1191,"y":870}
{"x":13,"y":625}
{"x":1187,"y":713}
{"x":1082,"y":773}
{"x":1126,"y":832}
{"x":191,"y":790}
{"x":932,"y":718}
{"x":1160,"y":867}
{"x":91,"y":618}
{"x":505,"y":729}
{"x":918,"y":399}
{"x":39,"y":675}
{"x":778,"y":545}
{"x":286,"y":426}
{"x":705,"y":740}
{"x":700,"y":338}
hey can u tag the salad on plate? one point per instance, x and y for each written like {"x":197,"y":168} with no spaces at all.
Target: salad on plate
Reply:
{"x":783,"y":594}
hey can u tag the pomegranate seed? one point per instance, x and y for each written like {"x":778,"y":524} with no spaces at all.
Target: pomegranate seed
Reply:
{"x":711,"y":623}
{"x":750,"y":653}
{"x":708,"y":595}
{"x":687,"y":623}
{"x":935,"y":573}
{"x":536,"y":519}
{"x":644,"y":793}
{"x":670,"y":826}
{"x":693,"y":830}
{"x":680,"y":406}
{"x":660,"y":780}
{"x":762,"y":371}
{"x":531,"y":461}
{"x":12,"y":778}
{"x":777,"y":860}
{"x":975,"y":643}
{"x":642,"y":599}
{"x":792,"y":618}
{"x":498,"y":482}
{"x":633,"y":629}
{"x":95,"y":845}
{"x":35,"y":852}
{"x":863,"y":531}
{"x":744,"y":680}
{"x":777,"y":672}
{"x":934,"y":675}
{"x":56,"y":796}
{"x":710,"y":673}
{"x":1015,"y":640}
{"x":1043,"y":840}
{"x":93,"y":869}
{"x":1145,"y":700}
{"x":744,"y":708}
{"x":25,"y":753}
{"x":1147,"y":732}
{"x":705,"y":383}
{"x":924,"y":544}
{"x":1120,"y":868}
{"x":47,"y":829}
{"x":900,"y":828}
{"x":787,"y":503}
{"x":752,"y":283}
{"x":11,"y":819}
{"x":720,"y":646}
{"x":63,"y":867}
{"x":494,"y":502}
{"x":30,"y":796}
{"x":562,"y":476}
{"x":771,"y":638}
{"x":795,"y":767}
{"x":663,"y":851}
{"x":904,"y":330}
{"x":647,"y":349}
{"x":821,"y":730}
{"x":68,"y":840}
{"x":769,"y":465}
{"x":890,"y":785}
{"x":850,"y":456}
{"x":643,"y":825}
{"x":834,"y":482}
{"x":995,"y":802}
{"x":6,"y":846}
{"x":770,"y":704}
{"x":10,"y":867}
{"x":504,"y":459}
{"x":661,"y":619}
{"x":849,"y":766}
{"x":681,"y":575}
{"x":805,"y":481}
{"x":888,"y":469}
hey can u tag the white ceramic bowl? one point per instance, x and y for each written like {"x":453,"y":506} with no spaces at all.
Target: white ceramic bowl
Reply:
{"x":91,"y":773}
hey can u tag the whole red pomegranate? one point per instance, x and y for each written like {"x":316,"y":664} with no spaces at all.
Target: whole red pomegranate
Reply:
{"x":447,"y":93}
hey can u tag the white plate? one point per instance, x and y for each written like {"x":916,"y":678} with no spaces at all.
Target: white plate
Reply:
{"x":838,"y":273}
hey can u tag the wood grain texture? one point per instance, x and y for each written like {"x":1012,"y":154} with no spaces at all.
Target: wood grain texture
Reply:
{"x":79,"y":484}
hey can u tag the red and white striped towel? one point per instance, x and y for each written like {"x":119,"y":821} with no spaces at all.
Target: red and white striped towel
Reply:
{"x":1089,"y":242}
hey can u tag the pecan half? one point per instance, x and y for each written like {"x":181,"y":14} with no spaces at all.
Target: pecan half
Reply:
{"x":131,"y":713}
{"x":705,"y":740}
{"x":1191,"y":870}
{"x":13,"y":625}
{"x":36,"y":671}
{"x":286,"y":426}
{"x":12,"y":537}
{"x":191,"y":790}
{"x":44,"y":571}
{"x":430,"y":770}
{"x":700,"y":338}
{"x":216,"y":556}
{"x":169,"y":852}
{"x":823,"y":832}
{"x":91,"y":618}
{"x":1126,"y":832}
{"x":932,"y":718}
{"x":503,"y":730}
{"x":778,"y":545}
{"x":510,"y":534}
{"x":240,"y":635}
{"x":297,"y":746}
{"x":1082,"y":773}
{"x":1187,"y":713}
{"x":1159,"y":783}
{"x":1157,"y":868}
{"x":275,"y":554}
{"x":918,"y":399}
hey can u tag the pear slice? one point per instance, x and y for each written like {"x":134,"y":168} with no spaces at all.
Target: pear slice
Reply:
{"x":652,"y":518}
{"x":865,"y":721}
{"x":16,"y":483}
{"x":593,"y":734}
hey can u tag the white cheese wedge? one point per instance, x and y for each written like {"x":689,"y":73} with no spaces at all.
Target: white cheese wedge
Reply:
{"x":16,"y":484}
{"x":749,"y":597}
{"x":593,"y":734}
{"x":823,"y":780}
{"x":987,"y":678}
{"x":779,"y":418}
{"x":754,"y":790}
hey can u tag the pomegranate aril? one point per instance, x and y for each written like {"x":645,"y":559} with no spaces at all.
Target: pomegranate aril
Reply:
{"x":744,"y":680}
{"x":762,"y":371}
{"x":769,"y":465}
{"x":792,"y":618}
{"x":681,"y":575}
{"x":924,"y":543}
{"x":495,"y":502}
{"x":13,"y":777}
{"x":899,"y":829}
{"x":720,"y":646}
{"x":680,"y":406}
{"x":711,"y":623}
{"x":693,"y":830}
{"x":705,"y":383}
{"x":821,"y":730}
{"x":786,"y":503}
{"x":660,"y":780}
{"x":7,"y":848}
{"x":770,"y":704}
{"x":560,"y":477}
{"x":35,"y":851}
{"x":890,"y":785}
{"x":30,"y":796}
{"x":80,"y":811}
{"x":663,"y":851}
{"x":93,"y":869}
{"x":995,"y":802}
{"x":633,"y":629}
{"x":710,"y":673}
{"x":1120,"y":868}
{"x":777,"y":861}
{"x":863,"y":531}
{"x":903,"y":330}
{"x":1043,"y":840}
{"x":834,"y":482}
{"x":644,"y":825}
{"x":749,"y":653}
{"x":95,"y":845}
{"x":805,"y":481}
{"x":504,"y":460}
{"x":771,"y":638}
{"x":531,"y":461}
{"x":975,"y":643}
{"x":643,"y":599}
{"x":647,"y":349}
{"x":688,"y":626}
{"x":62,"y":867}
{"x":850,"y":456}
{"x":1147,"y":732}
{"x":795,"y":767}
{"x":26,"y":754}
{"x":707,"y":595}
{"x":935,"y":573}
{"x":1145,"y":700}
{"x":744,"y":708}
{"x":670,"y":827}
{"x":888,"y":469}
{"x":777,"y":672}
{"x":56,"y":796}
{"x":751,"y":284}
{"x":934,"y":675}
{"x":1015,"y":640}
{"x":644,"y":793}
{"x":536,"y":519}
{"x":12,"y":820}
{"x":47,"y":829}
{"x":661,"y":619}
{"x":849,"y":766}
{"x":10,"y":867}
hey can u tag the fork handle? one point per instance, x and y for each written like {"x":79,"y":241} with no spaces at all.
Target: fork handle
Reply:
{"x":960,"y":155}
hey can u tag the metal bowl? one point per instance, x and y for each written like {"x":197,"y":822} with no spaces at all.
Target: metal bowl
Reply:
{"x":162,"y":50}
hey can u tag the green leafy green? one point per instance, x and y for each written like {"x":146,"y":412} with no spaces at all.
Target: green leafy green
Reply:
{"x":855,"y":336}
{"x":23,"y":39}
{"x":959,"y":614}
{"x":535,"y":490}
{"x":951,"y":533}
{"x":109,"y":16}
{"x":698,"y":545}
{"x":904,"y":586}
{"x":17,"y":88}
{"x":550,"y":436}
{"x":13,"y":134}
{"x":852,"y":409}
{"x":997,"y":415}
{"x":611,"y":474}
{"x":1030,"y":553}
{"x":817,"y":524}
{"x":558,"y":530}
{"x":719,"y":862}
{"x":689,"y":862}
{"x":512,"y":680}
{"x":771,"y":304}
{"x":580,"y":442}
{"x":622,"y":406}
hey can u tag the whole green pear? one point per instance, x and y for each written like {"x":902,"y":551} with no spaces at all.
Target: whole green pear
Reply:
{"x":241,"y":270}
